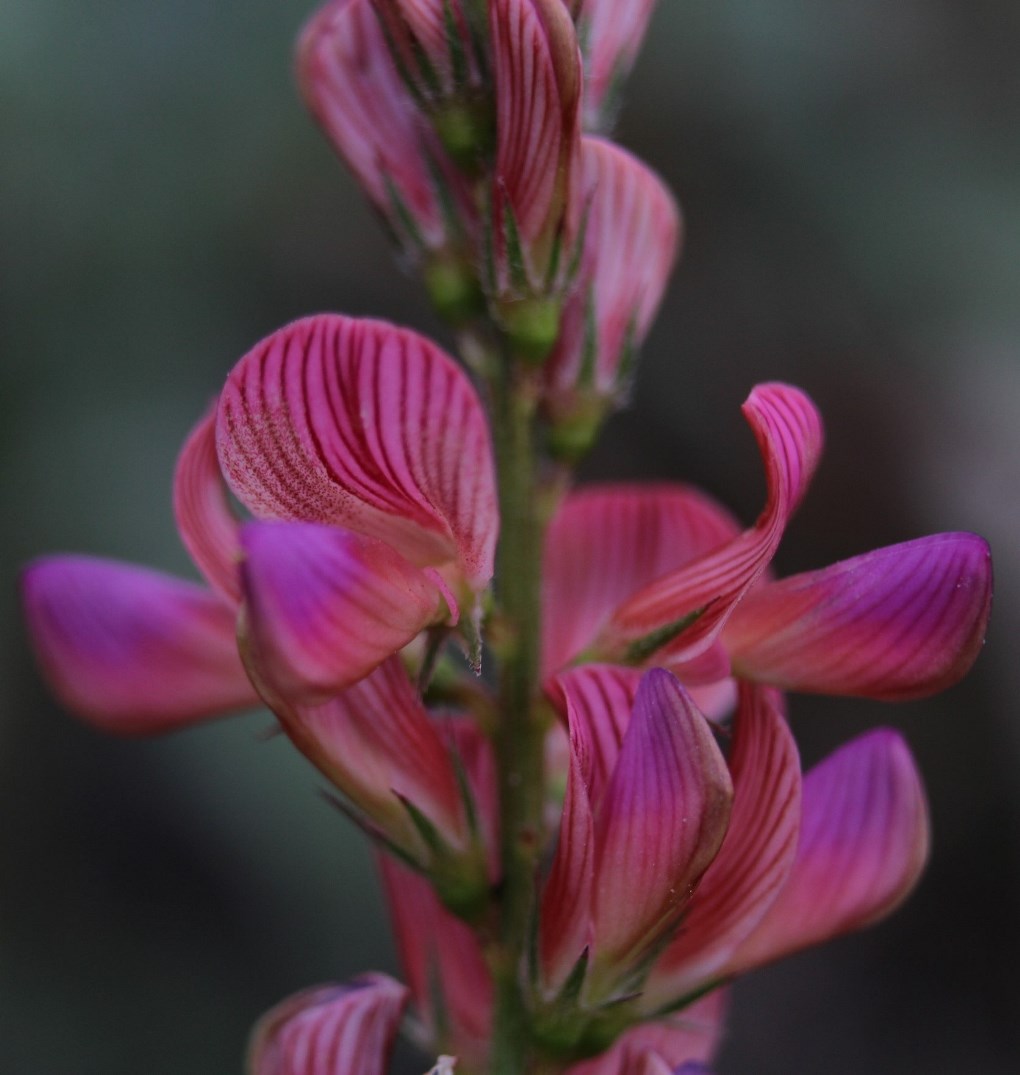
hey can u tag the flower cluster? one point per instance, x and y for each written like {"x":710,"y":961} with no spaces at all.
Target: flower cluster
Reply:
{"x":588,"y":806}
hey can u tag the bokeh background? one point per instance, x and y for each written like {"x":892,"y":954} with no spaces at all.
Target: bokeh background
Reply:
{"x":850,"y":172}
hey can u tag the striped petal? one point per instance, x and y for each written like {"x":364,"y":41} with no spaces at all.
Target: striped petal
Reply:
{"x":330,"y":1030}
{"x":206,"y":524}
{"x":366,"y":426}
{"x":537,"y":79}
{"x":755,"y":858}
{"x":789,"y":433}
{"x":901,"y":622}
{"x":325,"y":606}
{"x":631,"y":239}
{"x":132,"y":650}
{"x":658,"y":827}
{"x":606,"y":543}
{"x":863,"y":845}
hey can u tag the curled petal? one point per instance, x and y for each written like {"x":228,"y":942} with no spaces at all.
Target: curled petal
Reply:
{"x":630,"y":245}
{"x":606,"y":543}
{"x":863,"y":845}
{"x":901,"y":622}
{"x":789,"y":433}
{"x":330,"y":1030}
{"x":326,"y":606}
{"x":367,"y":426}
{"x":132,"y":650}
{"x":659,"y":825}
{"x":206,"y":524}
{"x":755,"y":858}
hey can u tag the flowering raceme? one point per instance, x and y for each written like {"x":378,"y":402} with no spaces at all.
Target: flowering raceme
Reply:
{"x":583,"y":844}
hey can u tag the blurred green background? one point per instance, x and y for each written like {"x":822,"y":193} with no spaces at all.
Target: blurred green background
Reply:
{"x":850,"y":172}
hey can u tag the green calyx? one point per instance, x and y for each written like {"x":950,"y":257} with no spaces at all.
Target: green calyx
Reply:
{"x":466,"y":128}
{"x":454,"y":289}
{"x":532,"y":326}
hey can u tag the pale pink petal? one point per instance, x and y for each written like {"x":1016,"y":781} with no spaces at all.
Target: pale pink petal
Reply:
{"x":330,"y":1030}
{"x":537,"y":78}
{"x":325,"y":606}
{"x":789,"y":433}
{"x":899,"y":622}
{"x":863,"y":845}
{"x":631,"y":238}
{"x":206,"y":524}
{"x":755,"y":858}
{"x":363,"y":425}
{"x":659,"y":824}
{"x":443,"y":964}
{"x":133,"y":650}
{"x":377,"y":744}
{"x":607,"y":542}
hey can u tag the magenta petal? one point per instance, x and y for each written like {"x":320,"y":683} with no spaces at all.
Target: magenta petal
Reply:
{"x":659,"y":824}
{"x":133,"y":650}
{"x":207,"y":526}
{"x":755,"y":858}
{"x":863,"y":845}
{"x":789,"y":433}
{"x":367,"y":426}
{"x":900,"y":622}
{"x":330,"y":1029}
{"x":607,"y":542}
{"x":326,"y":606}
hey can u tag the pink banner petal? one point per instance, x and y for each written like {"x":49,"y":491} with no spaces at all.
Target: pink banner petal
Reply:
{"x":863,"y":845}
{"x":789,"y":433}
{"x":325,"y":606}
{"x":659,"y":825}
{"x":607,"y":542}
{"x":755,"y":858}
{"x":901,"y":622}
{"x":330,"y":1029}
{"x":205,"y":521}
{"x":134,"y":651}
{"x":363,"y":425}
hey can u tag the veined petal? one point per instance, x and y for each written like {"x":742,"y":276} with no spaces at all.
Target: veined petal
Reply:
{"x":376,"y":743}
{"x":631,"y":239}
{"x":330,"y":1030}
{"x":788,"y":429}
{"x":537,"y":77}
{"x":206,"y":524}
{"x":863,"y":845}
{"x":659,"y":825}
{"x":133,"y":650}
{"x":606,"y":543}
{"x":352,"y":88}
{"x":755,"y":858}
{"x":443,"y":964}
{"x":325,"y":606}
{"x":900,"y":622}
{"x":363,"y":425}
{"x":612,"y":32}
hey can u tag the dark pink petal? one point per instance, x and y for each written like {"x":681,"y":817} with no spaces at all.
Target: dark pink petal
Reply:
{"x":133,"y":650}
{"x":755,"y":858}
{"x":418,"y":32}
{"x":789,"y":433}
{"x":330,"y":1030}
{"x":659,"y":825}
{"x":607,"y":542}
{"x":367,"y":426}
{"x":325,"y":606}
{"x":537,"y":77}
{"x":631,"y":239}
{"x":377,"y":744}
{"x":353,"y":90}
{"x":900,"y":622}
{"x":863,"y":845}
{"x":206,"y":524}
{"x":612,"y":31}
{"x":443,"y":964}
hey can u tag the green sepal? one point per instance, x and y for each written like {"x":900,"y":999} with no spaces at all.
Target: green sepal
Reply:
{"x":638,"y":651}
